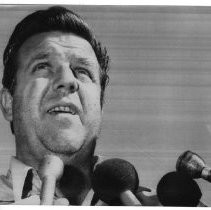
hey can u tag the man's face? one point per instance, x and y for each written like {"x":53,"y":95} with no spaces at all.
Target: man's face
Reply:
{"x":56,"y":103}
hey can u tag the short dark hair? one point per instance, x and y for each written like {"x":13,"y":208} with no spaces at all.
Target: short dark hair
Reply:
{"x":55,"y":18}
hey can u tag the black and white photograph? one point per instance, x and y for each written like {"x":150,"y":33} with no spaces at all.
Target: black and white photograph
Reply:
{"x":105,"y":105}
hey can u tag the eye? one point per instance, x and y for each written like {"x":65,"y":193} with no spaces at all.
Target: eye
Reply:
{"x":81,"y":72}
{"x":41,"y":66}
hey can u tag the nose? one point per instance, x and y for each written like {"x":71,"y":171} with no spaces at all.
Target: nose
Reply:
{"x":65,"y":81}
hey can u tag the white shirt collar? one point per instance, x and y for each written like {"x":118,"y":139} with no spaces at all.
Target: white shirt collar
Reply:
{"x":18,"y":174}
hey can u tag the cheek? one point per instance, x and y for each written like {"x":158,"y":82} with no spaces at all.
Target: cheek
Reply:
{"x":92,"y":99}
{"x":32,"y":93}
{"x":93,"y":111}
{"x":37,"y":87}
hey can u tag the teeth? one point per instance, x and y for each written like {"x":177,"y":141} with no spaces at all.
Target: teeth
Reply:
{"x":57,"y":109}
{"x":62,"y":109}
{"x":67,"y":109}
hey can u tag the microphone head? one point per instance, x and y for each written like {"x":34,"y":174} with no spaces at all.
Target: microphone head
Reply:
{"x":112,"y":177}
{"x":191,"y":164}
{"x":72,"y":184}
{"x":178,"y":189}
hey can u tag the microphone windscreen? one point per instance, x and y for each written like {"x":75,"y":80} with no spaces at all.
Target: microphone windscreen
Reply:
{"x":178,"y":189}
{"x":112,"y":177}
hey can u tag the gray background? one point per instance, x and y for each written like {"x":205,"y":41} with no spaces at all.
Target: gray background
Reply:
{"x":158,"y":103}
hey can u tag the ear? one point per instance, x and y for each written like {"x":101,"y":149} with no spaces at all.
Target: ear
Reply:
{"x":6,"y":104}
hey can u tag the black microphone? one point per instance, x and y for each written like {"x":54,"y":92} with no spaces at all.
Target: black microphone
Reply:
{"x":178,"y":189}
{"x":116,"y":179}
{"x":193,"y":165}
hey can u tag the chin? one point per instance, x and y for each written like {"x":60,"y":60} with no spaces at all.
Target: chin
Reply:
{"x":65,"y":143}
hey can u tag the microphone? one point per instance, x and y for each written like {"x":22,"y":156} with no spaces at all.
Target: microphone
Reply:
{"x":178,"y":189}
{"x":50,"y":171}
{"x":116,"y":179}
{"x":193,"y":165}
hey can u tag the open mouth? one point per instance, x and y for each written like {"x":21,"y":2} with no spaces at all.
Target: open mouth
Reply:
{"x":62,"y":109}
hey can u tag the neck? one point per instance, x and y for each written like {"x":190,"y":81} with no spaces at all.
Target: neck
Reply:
{"x":76,"y":180}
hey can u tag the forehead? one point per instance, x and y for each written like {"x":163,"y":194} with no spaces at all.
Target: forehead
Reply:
{"x":56,"y":43}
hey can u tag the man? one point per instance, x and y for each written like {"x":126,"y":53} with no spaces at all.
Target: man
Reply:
{"x":55,"y":74}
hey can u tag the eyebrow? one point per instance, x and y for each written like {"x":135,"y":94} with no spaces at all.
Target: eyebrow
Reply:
{"x":46,"y":54}
{"x":83,"y":61}
{"x":39,"y":56}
